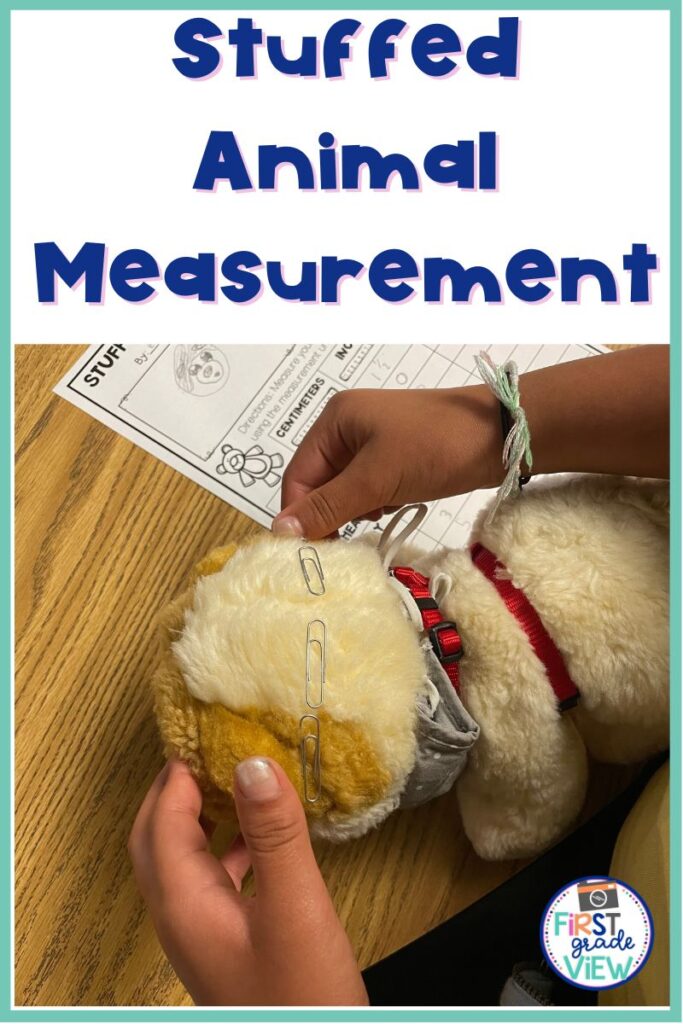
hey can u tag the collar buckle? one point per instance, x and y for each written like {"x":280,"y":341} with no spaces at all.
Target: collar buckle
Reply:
{"x":433,"y":633}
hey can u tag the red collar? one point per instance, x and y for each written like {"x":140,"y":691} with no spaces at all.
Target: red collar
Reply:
{"x":443,"y":635}
{"x":447,"y":643}
{"x":521,"y":607}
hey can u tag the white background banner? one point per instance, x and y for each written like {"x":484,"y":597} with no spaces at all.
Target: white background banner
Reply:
{"x":107,"y":138}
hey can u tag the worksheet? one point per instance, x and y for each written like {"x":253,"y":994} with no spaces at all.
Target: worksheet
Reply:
{"x":231,"y":417}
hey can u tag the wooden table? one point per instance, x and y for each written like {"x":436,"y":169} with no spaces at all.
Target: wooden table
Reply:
{"x":105,"y":534}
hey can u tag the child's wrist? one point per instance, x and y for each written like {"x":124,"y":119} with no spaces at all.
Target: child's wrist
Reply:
{"x":484,"y":459}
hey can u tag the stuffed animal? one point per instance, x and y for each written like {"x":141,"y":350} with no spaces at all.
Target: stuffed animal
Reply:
{"x":379,"y":676}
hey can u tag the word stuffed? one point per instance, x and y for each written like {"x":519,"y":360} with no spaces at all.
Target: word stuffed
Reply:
{"x":432,"y":50}
{"x":388,"y":276}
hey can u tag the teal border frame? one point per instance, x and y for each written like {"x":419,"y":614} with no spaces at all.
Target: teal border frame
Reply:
{"x":76,"y":1014}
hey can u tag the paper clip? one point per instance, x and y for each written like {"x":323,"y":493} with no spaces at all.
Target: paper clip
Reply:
{"x":316,"y":582}
{"x":310,"y":769}
{"x":316,"y":656}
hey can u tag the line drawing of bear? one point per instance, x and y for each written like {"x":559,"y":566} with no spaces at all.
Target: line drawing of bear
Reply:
{"x":251,"y":465}
{"x":200,"y":369}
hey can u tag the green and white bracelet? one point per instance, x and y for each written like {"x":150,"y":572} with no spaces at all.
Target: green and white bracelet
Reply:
{"x":504,"y":383}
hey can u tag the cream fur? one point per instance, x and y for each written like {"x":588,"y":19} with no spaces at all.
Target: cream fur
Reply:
{"x":596,"y":569}
{"x":591,"y":553}
{"x":526,"y":776}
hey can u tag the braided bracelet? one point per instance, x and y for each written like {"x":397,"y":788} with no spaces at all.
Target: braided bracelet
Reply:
{"x":507,"y":425}
{"x":504,"y":383}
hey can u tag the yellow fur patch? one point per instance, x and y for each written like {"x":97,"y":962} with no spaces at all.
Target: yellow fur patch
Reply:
{"x":214,"y":561}
{"x":351,"y":777}
{"x":176,"y":710}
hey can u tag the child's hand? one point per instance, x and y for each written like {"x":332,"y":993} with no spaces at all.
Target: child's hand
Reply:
{"x":374,"y":450}
{"x":284,"y":946}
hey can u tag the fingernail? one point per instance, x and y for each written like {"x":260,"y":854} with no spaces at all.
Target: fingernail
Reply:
{"x":287,"y":526}
{"x":257,"y":780}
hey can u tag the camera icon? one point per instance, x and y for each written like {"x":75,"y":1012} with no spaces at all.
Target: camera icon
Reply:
{"x":598,"y":896}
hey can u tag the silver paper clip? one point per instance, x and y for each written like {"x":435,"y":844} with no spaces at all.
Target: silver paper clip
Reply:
{"x":310,"y":769}
{"x":308,"y":557}
{"x":316,"y":657}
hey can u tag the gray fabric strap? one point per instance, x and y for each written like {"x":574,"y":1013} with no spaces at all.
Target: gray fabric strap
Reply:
{"x":446,"y":732}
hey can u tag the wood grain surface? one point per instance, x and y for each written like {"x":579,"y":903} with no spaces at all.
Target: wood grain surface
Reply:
{"x":106,"y":534}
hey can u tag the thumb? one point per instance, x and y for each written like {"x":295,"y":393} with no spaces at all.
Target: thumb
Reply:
{"x":350,"y":494}
{"x":273,"y":824}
